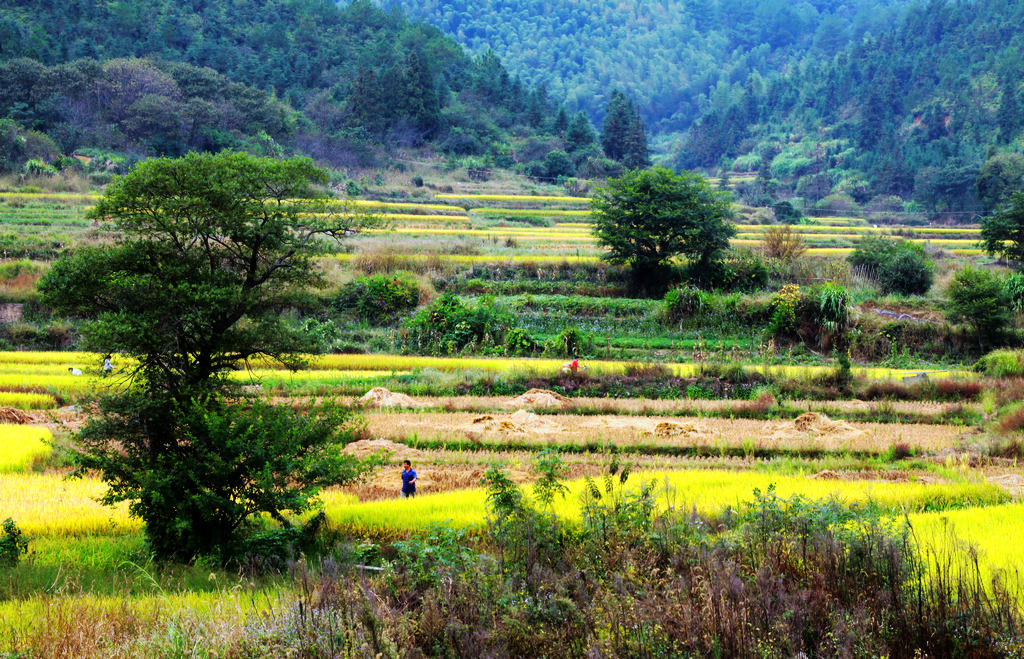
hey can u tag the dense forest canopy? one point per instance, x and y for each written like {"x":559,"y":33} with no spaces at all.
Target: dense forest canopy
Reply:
{"x":675,"y":57}
{"x":305,"y":75}
{"x":856,"y":105}
{"x":930,"y":110}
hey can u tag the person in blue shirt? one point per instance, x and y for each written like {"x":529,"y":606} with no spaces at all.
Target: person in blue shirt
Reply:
{"x":408,"y":480}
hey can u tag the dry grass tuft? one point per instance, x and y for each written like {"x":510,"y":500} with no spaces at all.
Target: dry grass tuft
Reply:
{"x":783,"y":244}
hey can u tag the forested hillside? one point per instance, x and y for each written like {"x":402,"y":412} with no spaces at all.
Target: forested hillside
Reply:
{"x":677,"y":58}
{"x":266,"y":75}
{"x":930,"y":110}
{"x":885,"y":106}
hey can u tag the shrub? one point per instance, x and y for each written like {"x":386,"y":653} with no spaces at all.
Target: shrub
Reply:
{"x":449,"y":325}
{"x":956,"y":390}
{"x":739,"y":270}
{"x":871,"y":251}
{"x":1002,"y":364}
{"x":322,"y":335}
{"x":1014,"y":286}
{"x":783,"y":306}
{"x":379,"y":299}
{"x":1012,"y":419}
{"x":979,"y":298}
{"x":13,"y":543}
{"x":748,"y":271}
{"x":684,"y":302}
{"x":830,"y":306}
{"x":570,"y":342}
{"x":898,"y":265}
{"x":438,"y":555}
{"x":558,"y":163}
{"x":905,"y":271}
{"x":786,"y":213}
{"x":36,"y":167}
{"x":519,"y":342}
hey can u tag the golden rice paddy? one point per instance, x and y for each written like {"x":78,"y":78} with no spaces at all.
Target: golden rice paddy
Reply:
{"x":21,"y":447}
{"x":705,"y":491}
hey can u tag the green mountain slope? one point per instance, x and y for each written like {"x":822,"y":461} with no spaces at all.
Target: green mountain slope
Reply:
{"x":675,"y":57}
{"x":931,"y":109}
{"x":303,"y":75}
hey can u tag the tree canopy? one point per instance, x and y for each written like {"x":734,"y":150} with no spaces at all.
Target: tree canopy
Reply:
{"x":648,"y":217}
{"x":213,"y":248}
{"x":914,"y":109}
{"x":1002,"y":233}
{"x":675,"y":57}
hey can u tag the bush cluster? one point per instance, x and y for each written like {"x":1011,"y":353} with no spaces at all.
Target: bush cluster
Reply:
{"x":739,"y":270}
{"x":980,"y":299}
{"x":13,"y":543}
{"x":379,"y":299}
{"x":682,"y":302}
{"x":817,"y":315}
{"x":1002,"y":364}
{"x":899,"y":266}
{"x":449,"y":326}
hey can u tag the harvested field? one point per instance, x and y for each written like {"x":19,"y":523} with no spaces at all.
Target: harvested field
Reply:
{"x":366,"y":448}
{"x":521,"y":422}
{"x":687,"y":406}
{"x":570,"y":431}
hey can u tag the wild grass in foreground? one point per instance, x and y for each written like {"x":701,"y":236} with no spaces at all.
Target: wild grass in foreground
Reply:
{"x":776,"y":576}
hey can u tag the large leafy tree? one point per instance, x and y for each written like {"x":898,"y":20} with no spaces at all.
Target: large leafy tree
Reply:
{"x":1002,"y":233}
{"x":212,"y":248}
{"x":648,"y":217}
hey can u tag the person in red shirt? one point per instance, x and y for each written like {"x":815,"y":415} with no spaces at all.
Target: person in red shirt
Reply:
{"x":571,"y":367}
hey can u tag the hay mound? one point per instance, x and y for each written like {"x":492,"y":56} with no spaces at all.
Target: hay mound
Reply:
{"x":364,"y":448}
{"x":14,"y":415}
{"x":811,"y":423}
{"x":521,"y":422}
{"x":806,"y":421}
{"x":488,"y":423}
{"x":666,"y":429}
{"x":383,"y":397}
{"x":539,"y":398}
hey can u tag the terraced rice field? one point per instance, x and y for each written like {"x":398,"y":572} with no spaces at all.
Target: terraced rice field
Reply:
{"x":31,"y":380}
{"x":22,"y":446}
{"x":698,"y":455}
{"x":93,"y":559}
{"x":57,"y":220}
